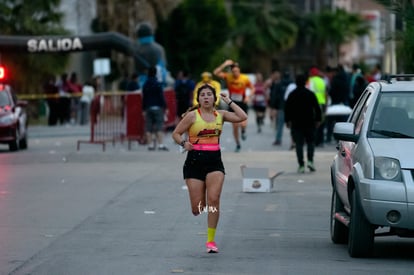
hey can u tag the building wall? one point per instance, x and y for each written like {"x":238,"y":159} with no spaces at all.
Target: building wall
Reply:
{"x":372,"y":48}
{"x":78,"y":15}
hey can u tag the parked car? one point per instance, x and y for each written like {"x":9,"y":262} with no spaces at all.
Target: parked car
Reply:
{"x":372,"y":173}
{"x":13,"y":119}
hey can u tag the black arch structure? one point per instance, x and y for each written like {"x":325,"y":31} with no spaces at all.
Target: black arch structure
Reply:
{"x":72,"y":43}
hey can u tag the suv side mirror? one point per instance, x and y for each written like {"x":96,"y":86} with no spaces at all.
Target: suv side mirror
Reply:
{"x":345,"y":131}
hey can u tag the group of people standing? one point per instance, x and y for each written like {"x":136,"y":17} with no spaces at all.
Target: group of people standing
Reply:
{"x":334,"y":87}
{"x":68,"y":101}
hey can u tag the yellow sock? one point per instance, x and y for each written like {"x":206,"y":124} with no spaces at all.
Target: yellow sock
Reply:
{"x":211,"y":232}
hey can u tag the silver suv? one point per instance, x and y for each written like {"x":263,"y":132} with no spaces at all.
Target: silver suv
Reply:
{"x":372,"y":173}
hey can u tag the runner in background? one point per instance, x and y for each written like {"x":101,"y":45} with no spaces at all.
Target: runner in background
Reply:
{"x":237,"y":84}
{"x":259,"y":101}
{"x":207,"y":78}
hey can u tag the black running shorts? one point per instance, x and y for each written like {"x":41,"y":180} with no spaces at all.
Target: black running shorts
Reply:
{"x":242,"y":105}
{"x":199,"y":163}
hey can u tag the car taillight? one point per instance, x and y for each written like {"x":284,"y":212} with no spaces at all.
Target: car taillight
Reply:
{"x":2,"y":73}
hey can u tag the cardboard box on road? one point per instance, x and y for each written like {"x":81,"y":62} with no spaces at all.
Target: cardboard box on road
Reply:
{"x":257,"y":179}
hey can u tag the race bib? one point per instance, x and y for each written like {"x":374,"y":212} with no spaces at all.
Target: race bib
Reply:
{"x":237,"y":97}
{"x":259,"y":98}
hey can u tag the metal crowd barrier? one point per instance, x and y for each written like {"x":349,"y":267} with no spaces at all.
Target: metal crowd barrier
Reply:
{"x":118,"y":117}
{"x":107,"y":120}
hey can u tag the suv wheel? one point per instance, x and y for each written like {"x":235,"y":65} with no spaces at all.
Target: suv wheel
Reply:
{"x":339,"y":231}
{"x":361,"y":232}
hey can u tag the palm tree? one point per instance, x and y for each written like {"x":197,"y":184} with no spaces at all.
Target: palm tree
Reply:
{"x":333,"y":28}
{"x":263,"y":29}
{"x":193,"y":33}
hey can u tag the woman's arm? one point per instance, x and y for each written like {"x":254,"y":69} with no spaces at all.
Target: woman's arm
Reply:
{"x":219,"y":70}
{"x":181,"y":128}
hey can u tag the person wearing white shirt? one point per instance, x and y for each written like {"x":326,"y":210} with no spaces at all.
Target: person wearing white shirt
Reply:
{"x":88,"y":92}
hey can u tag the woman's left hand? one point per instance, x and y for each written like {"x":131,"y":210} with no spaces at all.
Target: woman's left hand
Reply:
{"x":225,"y":98}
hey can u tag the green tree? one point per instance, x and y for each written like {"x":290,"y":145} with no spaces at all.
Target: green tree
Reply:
{"x":404,"y":37}
{"x":31,"y":17}
{"x":333,"y":28}
{"x":263,"y":29}
{"x":193,"y":34}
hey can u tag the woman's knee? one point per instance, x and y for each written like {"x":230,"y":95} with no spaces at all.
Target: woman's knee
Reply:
{"x":214,"y":201}
{"x":195,"y":212}
{"x":198,"y":208}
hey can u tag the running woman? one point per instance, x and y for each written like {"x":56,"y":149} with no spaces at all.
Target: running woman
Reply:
{"x":203,"y":168}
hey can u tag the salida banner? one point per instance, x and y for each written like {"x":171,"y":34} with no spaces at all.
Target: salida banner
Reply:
{"x":55,"y":44}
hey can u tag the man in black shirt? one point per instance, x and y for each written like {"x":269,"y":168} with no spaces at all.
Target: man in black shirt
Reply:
{"x":303,"y":116}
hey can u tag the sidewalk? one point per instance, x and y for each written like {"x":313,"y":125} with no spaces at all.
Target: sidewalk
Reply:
{"x":42,"y":131}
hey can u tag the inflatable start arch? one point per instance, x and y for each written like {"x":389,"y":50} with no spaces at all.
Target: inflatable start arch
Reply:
{"x":56,"y":44}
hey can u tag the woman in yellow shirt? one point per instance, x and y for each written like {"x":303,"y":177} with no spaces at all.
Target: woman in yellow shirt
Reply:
{"x":203,"y":169}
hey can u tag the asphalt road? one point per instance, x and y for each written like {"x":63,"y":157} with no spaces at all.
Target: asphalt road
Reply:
{"x":121,"y":211}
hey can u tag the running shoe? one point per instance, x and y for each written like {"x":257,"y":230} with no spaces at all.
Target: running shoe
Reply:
{"x":238,"y":148}
{"x":162,"y":147}
{"x":277,"y":143}
{"x":301,"y":169}
{"x":243,"y":134}
{"x":211,"y":247}
{"x":151,"y":148}
{"x":311,"y":166}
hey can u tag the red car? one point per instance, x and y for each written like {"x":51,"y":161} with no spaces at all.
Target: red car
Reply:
{"x":13,"y":119}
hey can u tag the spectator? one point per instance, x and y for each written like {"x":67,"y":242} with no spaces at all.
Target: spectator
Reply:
{"x":154,"y":106}
{"x":339,"y":95}
{"x":359,"y":87}
{"x":377,"y":72}
{"x":123,"y":84}
{"x":133,"y":84}
{"x":75,"y":89}
{"x":272,"y":82}
{"x":316,"y":83}
{"x":88,"y":92}
{"x":183,"y":88}
{"x":52,"y":93}
{"x":64,"y":99}
{"x":279,"y":104}
{"x":356,"y":72}
{"x":339,"y":89}
{"x":303,"y":116}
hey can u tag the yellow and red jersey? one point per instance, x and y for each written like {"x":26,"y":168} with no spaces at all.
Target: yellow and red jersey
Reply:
{"x":237,"y":86}
{"x":204,"y":132}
